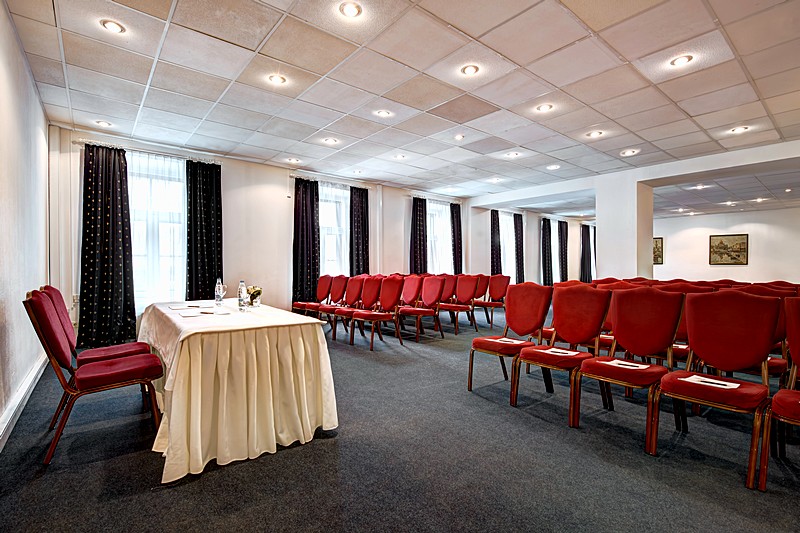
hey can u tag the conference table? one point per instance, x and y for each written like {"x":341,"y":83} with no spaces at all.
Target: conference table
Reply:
{"x":236,"y":384}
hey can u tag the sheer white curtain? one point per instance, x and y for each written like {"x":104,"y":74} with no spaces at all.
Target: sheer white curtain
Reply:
{"x":508,"y":248}
{"x":593,"y":237}
{"x":440,"y":238}
{"x":157,"y":196}
{"x":334,"y":228}
{"x":554,"y":251}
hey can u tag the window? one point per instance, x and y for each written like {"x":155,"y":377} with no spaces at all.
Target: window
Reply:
{"x":555,"y":252}
{"x":508,"y":248}
{"x":440,"y":238}
{"x":157,"y":196}
{"x":334,"y":228}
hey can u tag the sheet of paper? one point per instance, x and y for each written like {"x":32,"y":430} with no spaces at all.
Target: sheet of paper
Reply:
{"x":189,"y":314}
{"x":560,"y":351}
{"x":711,"y":382}
{"x":510,"y":341}
{"x":191,"y":305}
{"x":624,"y":364}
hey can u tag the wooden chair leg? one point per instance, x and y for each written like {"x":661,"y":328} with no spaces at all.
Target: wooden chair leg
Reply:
{"x":575,"y":398}
{"x":603,"y":395}
{"x":527,"y":368}
{"x":419,"y":324}
{"x":491,"y":320}
{"x":609,"y":397}
{"x":455,"y":320}
{"x":765,"y":449}
{"x":783,"y":436}
{"x":486,"y":312}
{"x":515,"y":369}
{"x":653,"y":403}
{"x":548,"y":380}
{"x":752,"y":460}
{"x":380,"y":335}
{"x":438,"y":324}
{"x":503,"y":366}
{"x":469,"y":376}
{"x":397,"y":330}
{"x":63,"y":422}
{"x":372,"y":336}
{"x":352,"y":335}
{"x":474,"y":322}
{"x":333,"y":328}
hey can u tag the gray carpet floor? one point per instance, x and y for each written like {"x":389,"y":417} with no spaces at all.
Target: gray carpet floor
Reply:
{"x":414,"y":452}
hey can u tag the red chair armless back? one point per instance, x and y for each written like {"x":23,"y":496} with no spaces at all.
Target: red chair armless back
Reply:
{"x":792,"y":310}
{"x":731,"y":330}
{"x":63,"y":314}
{"x":569,"y":283}
{"x":465,"y":289}
{"x":391,"y":289}
{"x":498,"y":284}
{"x":605,"y":281}
{"x":412,"y":285}
{"x":370,"y":291}
{"x":579,"y":311}
{"x":526,"y":307}
{"x":763,"y":290}
{"x":685,"y":288}
{"x":483,"y":285}
{"x":338,"y":286}
{"x":352,"y":293}
{"x":323,"y":287}
{"x":49,"y":328}
{"x":449,"y":288}
{"x":645,"y":319}
{"x":432,"y":290}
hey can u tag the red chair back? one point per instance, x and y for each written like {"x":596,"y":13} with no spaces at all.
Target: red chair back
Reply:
{"x":636,"y":279}
{"x":412,"y":285}
{"x":685,"y":288}
{"x":579,"y":311}
{"x":465,"y":289}
{"x":352,"y":293}
{"x":498,"y":284}
{"x":370,"y":291}
{"x":731,"y":330}
{"x":63,"y":314}
{"x":338,"y":286}
{"x":482,"y":286}
{"x":449,"y":288}
{"x":604,"y":281}
{"x":792,"y":310}
{"x":617,"y":285}
{"x":391,"y":290}
{"x":432,"y":290}
{"x":646,"y":319}
{"x":48,"y":327}
{"x":323,"y":287}
{"x":762,"y":290}
{"x":569,"y":283}
{"x":527,"y":305}
{"x":608,"y":324}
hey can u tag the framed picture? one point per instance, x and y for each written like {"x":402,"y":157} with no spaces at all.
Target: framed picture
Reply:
{"x":727,"y":249}
{"x":658,"y":250}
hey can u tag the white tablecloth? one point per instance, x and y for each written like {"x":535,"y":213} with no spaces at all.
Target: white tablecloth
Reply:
{"x":236,"y":385}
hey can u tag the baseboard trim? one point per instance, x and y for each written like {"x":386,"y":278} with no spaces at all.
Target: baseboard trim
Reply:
{"x":20,"y":400}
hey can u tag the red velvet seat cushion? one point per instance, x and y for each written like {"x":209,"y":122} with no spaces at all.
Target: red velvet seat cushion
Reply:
{"x":102,"y":373}
{"x":747,"y":396}
{"x":299,"y":305}
{"x":312,"y":306}
{"x":346,"y":311}
{"x":373,"y":315}
{"x":417,"y":311}
{"x":328,"y":308}
{"x":454,"y":307}
{"x":491,"y":344}
{"x":786,"y":403}
{"x":538,"y":355}
{"x":93,"y":355}
{"x":481,"y":303}
{"x":638,"y":377}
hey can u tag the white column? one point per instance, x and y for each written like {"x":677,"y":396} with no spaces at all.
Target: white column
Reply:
{"x":532,"y":246}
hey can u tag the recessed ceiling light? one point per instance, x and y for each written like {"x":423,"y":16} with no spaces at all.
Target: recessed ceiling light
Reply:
{"x":740,"y":129}
{"x":358,"y":172}
{"x":594,"y":134}
{"x":788,"y":190}
{"x":103,"y":123}
{"x":350,"y":9}
{"x":680,"y":210}
{"x":450,"y":189}
{"x":691,"y":213}
{"x":513,"y":154}
{"x":276,"y":79}
{"x":681,"y":60}
{"x":553,"y":167}
{"x":330,"y":140}
{"x":469,"y":70}
{"x":459,"y":137}
{"x":383,"y":113}
{"x":629,"y":152}
{"x":700,"y":187}
{"x":543,"y":108}
{"x":732,"y":204}
{"x":759,"y":200}
{"x":495,"y":180}
{"x":400,"y":156}
{"x":293,"y":160}
{"x":112,"y":26}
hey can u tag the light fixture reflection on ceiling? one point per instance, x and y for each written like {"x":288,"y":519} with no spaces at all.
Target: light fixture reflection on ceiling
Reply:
{"x":112,"y":26}
{"x":358,"y":172}
{"x":553,"y":167}
{"x":629,"y":152}
{"x":731,"y":204}
{"x":788,"y":190}
{"x":594,"y":134}
{"x":681,"y":60}
{"x":759,"y":200}
{"x":293,"y":160}
{"x":383,"y":113}
{"x":103,"y":123}
{"x":691,"y":213}
{"x":740,"y":129}
{"x":469,"y":70}
{"x":495,"y":180}
{"x":350,"y":9}
{"x":459,"y":137}
{"x":330,"y":140}
{"x":543,"y":108}
{"x":276,"y":79}
{"x":400,"y":156}
{"x":680,"y":210}
{"x":513,"y":154}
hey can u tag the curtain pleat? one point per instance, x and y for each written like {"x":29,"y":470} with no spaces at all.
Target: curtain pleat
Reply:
{"x":455,"y":225}
{"x":547,"y":254}
{"x":586,"y":254}
{"x":107,"y":308}
{"x":359,"y":231}
{"x":562,"y":249}
{"x":203,"y":229}
{"x":305,"y":244}
{"x":496,"y":261}
{"x":518,"y":236}
{"x":418,"y":262}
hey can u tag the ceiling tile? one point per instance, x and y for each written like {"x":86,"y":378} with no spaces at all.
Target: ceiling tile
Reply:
{"x":58,"y":114}
{"x":335,"y":95}
{"x":526,"y":134}
{"x":305,"y":46}
{"x":777,"y":104}
{"x":41,"y":10}
{"x":778,"y":84}
{"x":210,"y":143}
{"x":580,"y":118}
{"x":107,"y":59}
{"x":271,"y":142}
{"x":424,"y":124}
{"x":241,"y":22}
{"x":234,"y":116}
{"x":707,"y":50}
{"x":492,"y":66}
{"x":246,"y":97}
{"x":189,"y":82}
{"x":705,"y":81}
{"x":653,"y":117}
{"x":516,"y":41}
{"x":38,"y":38}
{"x":423,"y":92}
{"x":200,"y":52}
{"x":375,"y":16}
{"x":224,"y":131}
{"x":728,"y":11}
{"x":418,"y":40}
{"x":513,"y":88}
{"x":719,"y":100}
{"x":46,"y":70}
{"x":475,"y":17}
{"x":455,"y":154}
{"x":682,"y":140}
{"x":498,"y":122}
{"x":89,"y":81}
{"x":399,"y":112}
{"x":287,"y":129}
{"x":177,"y":103}
{"x":773,"y":60}
{"x":89,"y":119}
{"x":668,"y":130}
{"x":600,"y":14}
{"x":665,"y":25}
{"x":761,"y":137}
{"x":694,"y":150}
{"x":372,"y":72}
{"x":765,"y":29}
{"x":789,"y":118}
{"x":575,"y":62}
{"x":393,"y":137}
{"x":551,"y":144}
{"x":157,"y":8}
{"x":624,"y":140}
{"x":97,"y":104}
{"x":635,"y":102}
{"x":351,"y":125}
{"x":368,"y":148}
{"x":310,"y":114}
{"x":261,"y":68}
{"x":465,"y":135}
{"x":488,"y":145}
{"x":330,"y":140}
{"x":562,"y":104}
{"x":463,"y":109}
{"x":53,"y":94}
{"x":165,"y":119}
{"x":609,"y":84}
{"x":758,"y":125}
{"x":254,"y":152}
{"x":429,"y":146}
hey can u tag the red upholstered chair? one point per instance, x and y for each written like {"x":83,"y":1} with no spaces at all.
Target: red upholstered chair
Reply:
{"x":578,"y":313}
{"x":498,"y":284}
{"x":606,"y":335}
{"x":636,"y":279}
{"x":465,"y":294}
{"x":526,"y":309}
{"x":323,"y":291}
{"x":385,"y":311}
{"x":481,"y":287}
{"x":449,"y":287}
{"x":645,"y":321}
{"x":370,"y":290}
{"x":352,"y":295}
{"x":785,"y":406}
{"x":571,"y":283}
{"x":412,"y":286}
{"x":729,"y":331}
{"x":680,"y":350}
{"x":139,"y":369}
{"x":604,"y":281}
{"x":427,"y":305}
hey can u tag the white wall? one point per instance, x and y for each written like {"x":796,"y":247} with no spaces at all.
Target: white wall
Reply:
{"x":23,"y":241}
{"x":396,"y":230}
{"x":774,"y":246}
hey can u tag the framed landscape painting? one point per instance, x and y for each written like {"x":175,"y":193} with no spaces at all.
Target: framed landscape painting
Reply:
{"x":658,"y":250}
{"x":727,"y":249}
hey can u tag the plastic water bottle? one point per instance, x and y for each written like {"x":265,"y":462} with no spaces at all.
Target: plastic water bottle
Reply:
{"x":219,"y":292}
{"x":242,"y":293}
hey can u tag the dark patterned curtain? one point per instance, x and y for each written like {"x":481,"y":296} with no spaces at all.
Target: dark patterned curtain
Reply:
{"x":455,"y":228}
{"x":107,"y":312}
{"x":305,"y":246}
{"x":203,"y":229}
{"x":359,"y":231}
{"x":586,"y":254}
{"x":518,"y":250}
{"x":497,"y":265}
{"x":547,"y":254}
{"x":418,"y":263}
{"x":562,"y":249}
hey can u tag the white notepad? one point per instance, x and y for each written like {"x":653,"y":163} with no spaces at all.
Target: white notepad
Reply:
{"x":560,"y":351}
{"x":624,"y":364}
{"x":702,"y":380}
{"x":509,"y":341}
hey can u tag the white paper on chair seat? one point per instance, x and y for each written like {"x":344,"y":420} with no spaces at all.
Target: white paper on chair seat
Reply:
{"x":559,"y":351}
{"x":702,"y":380}
{"x":624,"y":364}
{"x":510,"y":341}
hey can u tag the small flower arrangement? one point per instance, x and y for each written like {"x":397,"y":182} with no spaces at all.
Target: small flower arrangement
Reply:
{"x":254,"y":291}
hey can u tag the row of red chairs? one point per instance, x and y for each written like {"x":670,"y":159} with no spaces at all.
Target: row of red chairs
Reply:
{"x":379,"y":299}
{"x":727,"y":331}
